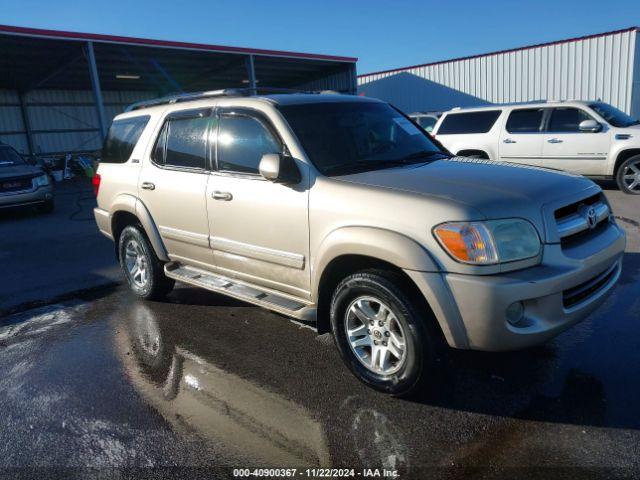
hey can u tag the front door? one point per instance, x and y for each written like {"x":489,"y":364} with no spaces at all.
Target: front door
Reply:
{"x":565,"y":147}
{"x":259,"y":229}
{"x":173,"y":183}
{"x":521,"y":138}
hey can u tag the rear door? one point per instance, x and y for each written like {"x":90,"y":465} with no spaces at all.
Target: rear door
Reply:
{"x":522,"y":136}
{"x":565,"y":147}
{"x":173,"y":183}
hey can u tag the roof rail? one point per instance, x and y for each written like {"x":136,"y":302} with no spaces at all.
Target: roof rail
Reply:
{"x":226,"y":92}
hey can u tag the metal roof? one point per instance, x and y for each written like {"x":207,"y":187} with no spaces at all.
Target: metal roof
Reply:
{"x":37,"y":58}
{"x":499,"y":52}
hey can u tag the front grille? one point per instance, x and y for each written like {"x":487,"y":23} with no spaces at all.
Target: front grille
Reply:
{"x":582,"y":292}
{"x":582,"y":218}
{"x":15,"y":184}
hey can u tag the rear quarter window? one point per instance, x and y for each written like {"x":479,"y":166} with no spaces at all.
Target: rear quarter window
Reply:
{"x":122,"y":138}
{"x":468,"y":122}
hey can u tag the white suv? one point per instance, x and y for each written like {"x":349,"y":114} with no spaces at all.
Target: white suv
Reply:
{"x":588,"y":138}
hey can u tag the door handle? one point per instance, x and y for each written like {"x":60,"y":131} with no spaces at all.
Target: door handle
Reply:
{"x":148,"y":186}
{"x":508,"y":140}
{"x":226,"y":196}
{"x":554,"y":140}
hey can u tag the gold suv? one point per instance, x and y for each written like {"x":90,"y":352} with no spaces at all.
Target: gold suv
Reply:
{"x":341,"y":211}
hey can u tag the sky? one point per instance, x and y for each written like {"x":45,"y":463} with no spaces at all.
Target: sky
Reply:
{"x":382,"y":34}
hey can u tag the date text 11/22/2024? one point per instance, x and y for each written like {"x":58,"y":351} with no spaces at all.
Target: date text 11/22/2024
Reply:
{"x":315,"y":473}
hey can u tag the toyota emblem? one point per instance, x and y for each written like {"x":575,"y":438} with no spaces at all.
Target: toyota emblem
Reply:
{"x":592,"y":218}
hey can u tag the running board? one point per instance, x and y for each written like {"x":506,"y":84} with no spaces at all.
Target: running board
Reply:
{"x":241,"y":291}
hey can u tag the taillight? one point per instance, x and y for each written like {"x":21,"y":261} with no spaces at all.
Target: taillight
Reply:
{"x":96,"y":183}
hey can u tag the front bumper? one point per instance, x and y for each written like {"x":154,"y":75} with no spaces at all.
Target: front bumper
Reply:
{"x":24,"y":198}
{"x":473,"y":311}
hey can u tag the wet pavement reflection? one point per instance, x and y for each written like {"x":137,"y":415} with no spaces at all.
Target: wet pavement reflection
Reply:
{"x":204,"y":381}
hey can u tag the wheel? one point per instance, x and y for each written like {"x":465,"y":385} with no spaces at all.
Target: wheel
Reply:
{"x":628,"y":176}
{"x":142,"y":268}
{"x":382,"y":337}
{"x":47,"y":206}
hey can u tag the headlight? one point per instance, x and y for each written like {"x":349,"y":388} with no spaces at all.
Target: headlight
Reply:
{"x":42,"y":180}
{"x":490,"y":242}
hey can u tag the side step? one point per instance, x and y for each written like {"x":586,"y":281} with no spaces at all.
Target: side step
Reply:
{"x":241,"y":291}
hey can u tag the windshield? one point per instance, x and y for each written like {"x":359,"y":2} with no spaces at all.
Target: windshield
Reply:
{"x":614,"y":116}
{"x":9,"y":157}
{"x":346,"y":137}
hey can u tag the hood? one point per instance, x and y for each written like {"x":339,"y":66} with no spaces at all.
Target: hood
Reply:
{"x":495,"y":189}
{"x":14,"y":171}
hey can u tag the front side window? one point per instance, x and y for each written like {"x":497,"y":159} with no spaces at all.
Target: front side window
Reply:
{"x":614,"y":116}
{"x":242,"y":141}
{"x":122,"y":138}
{"x":345,"y":137}
{"x":526,"y":120}
{"x":566,"y":120}
{"x":468,"y":122}
{"x":186,"y":142}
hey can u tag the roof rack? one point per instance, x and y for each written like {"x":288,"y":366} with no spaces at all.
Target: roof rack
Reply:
{"x":226,"y":92}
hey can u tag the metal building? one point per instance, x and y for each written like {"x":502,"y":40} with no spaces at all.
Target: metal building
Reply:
{"x":59,"y":90}
{"x":605,"y":66}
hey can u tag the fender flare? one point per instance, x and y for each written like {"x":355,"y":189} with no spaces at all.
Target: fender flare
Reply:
{"x":392,"y":247}
{"x":404,"y":253}
{"x":131,"y":204}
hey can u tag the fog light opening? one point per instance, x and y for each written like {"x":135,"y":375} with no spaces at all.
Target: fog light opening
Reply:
{"x":515,"y":313}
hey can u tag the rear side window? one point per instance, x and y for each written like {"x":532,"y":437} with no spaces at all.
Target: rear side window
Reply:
{"x":183,"y":142}
{"x":242,"y":141}
{"x":468,"y":122}
{"x":526,"y":120}
{"x":122,"y":138}
{"x":566,"y":119}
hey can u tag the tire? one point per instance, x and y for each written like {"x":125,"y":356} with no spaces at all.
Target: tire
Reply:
{"x":47,"y":207}
{"x":359,"y":292}
{"x":148,"y":281}
{"x":628,"y":176}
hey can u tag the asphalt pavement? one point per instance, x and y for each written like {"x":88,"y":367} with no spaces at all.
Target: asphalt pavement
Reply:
{"x":99,"y":384}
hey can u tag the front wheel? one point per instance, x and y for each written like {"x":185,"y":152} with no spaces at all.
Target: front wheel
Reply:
{"x":381,"y":335}
{"x":628,"y":176}
{"x":142,"y":268}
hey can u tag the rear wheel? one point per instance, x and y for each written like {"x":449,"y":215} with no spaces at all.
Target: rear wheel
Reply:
{"x":382,"y":336}
{"x":142,"y":268}
{"x":628,"y":176}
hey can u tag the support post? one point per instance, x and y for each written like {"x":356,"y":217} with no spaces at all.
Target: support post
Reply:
{"x":27,"y":123}
{"x":95,"y":85}
{"x":251,"y":72}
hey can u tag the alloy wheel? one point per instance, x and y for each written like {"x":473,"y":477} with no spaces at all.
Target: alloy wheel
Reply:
{"x":375,"y":335}
{"x":631,"y":176}
{"x":136,"y":263}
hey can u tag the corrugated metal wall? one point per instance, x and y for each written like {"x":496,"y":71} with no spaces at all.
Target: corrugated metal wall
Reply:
{"x":60,"y":120}
{"x":343,"y":81}
{"x":600,"y":67}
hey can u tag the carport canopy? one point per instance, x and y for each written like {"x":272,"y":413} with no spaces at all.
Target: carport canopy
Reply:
{"x":33,"y":59}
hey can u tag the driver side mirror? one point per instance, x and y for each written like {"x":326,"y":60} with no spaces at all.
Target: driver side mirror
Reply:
{"x":279,"y":168}
{"x":589,"y":126}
